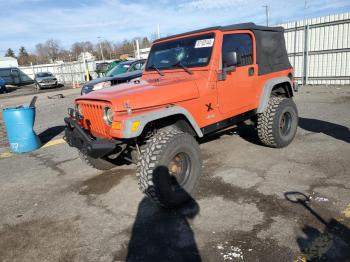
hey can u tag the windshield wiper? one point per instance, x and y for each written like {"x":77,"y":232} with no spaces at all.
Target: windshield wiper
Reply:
{"x":183,"y":67}
{"x":155,"y":68}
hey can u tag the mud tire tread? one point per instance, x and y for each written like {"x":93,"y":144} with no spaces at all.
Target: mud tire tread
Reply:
{"x":266,"y":121}
{"x":97,"y":163}
{"x":148,"y":159}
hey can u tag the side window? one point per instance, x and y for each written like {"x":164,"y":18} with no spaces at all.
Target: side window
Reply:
{"x":136,"y":66}
{"x":242,"y":45}
{"x":14,"y":72}
{"x":5,"y":72}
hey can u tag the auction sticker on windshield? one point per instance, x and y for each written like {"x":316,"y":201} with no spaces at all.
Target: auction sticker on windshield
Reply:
{"x":204,"y":43}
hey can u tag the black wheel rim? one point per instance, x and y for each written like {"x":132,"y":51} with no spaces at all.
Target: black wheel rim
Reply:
{"x":285,"y":123}
{"x":179,"y":169}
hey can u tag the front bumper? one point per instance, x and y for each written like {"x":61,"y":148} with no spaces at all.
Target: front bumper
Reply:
{"x":48,"y":83}
{"x":77,"y":137}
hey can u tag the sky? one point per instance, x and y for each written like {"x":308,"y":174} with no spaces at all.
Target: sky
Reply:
{"x":28,"y":22}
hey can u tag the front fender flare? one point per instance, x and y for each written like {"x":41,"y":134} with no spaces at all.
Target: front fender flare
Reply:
{"x":157,"y":114}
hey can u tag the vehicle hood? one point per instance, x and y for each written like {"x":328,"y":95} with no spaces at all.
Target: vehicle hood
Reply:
{"x":147,"y":93}
{"x":128,"y":75}
{"x":98,"y":80}
{"x":121,"y":77}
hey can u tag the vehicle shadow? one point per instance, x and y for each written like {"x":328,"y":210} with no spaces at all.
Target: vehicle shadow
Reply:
{"x":50,"y":133}
{"x":245,"y":131}
{"x":319,"y":126}
{"x":160,"y":234}
{"x":9,"y":89}
{"x":333,"y":244}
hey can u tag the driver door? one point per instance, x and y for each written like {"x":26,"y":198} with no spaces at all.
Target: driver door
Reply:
{"x":15,"y":76}
{"x":236,"y":92}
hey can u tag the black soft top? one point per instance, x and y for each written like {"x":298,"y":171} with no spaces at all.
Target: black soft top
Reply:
{"x":270,"y":45}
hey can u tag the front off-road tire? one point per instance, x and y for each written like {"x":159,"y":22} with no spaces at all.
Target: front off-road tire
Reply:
{"x":169,"y":166}
{"x":277,"y":125}
{"x":98,"y":163}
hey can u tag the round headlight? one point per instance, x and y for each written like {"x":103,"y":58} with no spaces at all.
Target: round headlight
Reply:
{"x":108,"y":115}
{"x":78,"y":109}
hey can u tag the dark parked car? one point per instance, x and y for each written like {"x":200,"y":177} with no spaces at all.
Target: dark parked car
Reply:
{"x":14,"y":76}
{"x":123,"y":72}
{"x":44,"y":80}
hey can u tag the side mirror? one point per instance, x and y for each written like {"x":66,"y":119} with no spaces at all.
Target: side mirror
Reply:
{"x":229,"y":62}
{"x":14,"y":72}
{"x":230,"y":59}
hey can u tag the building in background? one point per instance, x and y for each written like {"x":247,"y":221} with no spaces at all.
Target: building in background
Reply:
{"x":86,"y":55}
{"x":8,"y":62}
{"x":143,"y":53}
{"x":124,"y":57}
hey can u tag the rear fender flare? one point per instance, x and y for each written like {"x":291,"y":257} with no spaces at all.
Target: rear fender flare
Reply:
{"x":266,"y":92}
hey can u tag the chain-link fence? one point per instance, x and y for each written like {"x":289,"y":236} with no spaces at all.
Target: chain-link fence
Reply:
{"x":67,"y":72}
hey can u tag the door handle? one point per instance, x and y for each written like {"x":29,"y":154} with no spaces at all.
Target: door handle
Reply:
{"x":251,"y":71}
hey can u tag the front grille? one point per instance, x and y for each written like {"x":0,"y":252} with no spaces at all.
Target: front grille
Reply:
{"x":93,"y":117}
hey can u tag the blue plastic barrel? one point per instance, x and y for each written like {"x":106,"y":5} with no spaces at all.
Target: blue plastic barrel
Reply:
{"x":19,"y":122}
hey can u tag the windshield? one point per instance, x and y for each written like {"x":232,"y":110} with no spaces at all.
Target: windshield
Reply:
{"x":119,"y":69}
{"x":43,"y":74}
{"x":190,"y":52}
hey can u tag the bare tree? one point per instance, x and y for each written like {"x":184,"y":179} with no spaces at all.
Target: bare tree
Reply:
{"x":48,"y":51}
{"x":107,"y":48}
{"x":42,"y":53}
{"x":79,"y":47}
{"x":127,"y":47}
{"x":53,"y":48}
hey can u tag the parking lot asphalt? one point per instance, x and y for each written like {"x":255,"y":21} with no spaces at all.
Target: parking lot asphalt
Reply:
{"x":16,"y":91}
{"x":252,"y":203}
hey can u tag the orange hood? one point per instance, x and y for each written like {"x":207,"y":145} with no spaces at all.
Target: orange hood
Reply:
{"x":147,"y":93}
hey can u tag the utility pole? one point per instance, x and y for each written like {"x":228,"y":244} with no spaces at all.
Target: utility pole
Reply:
{"x":137,"y":49}
{"x":267,"y":14}
{"x":158,"y":31}
{"x":99,"y":40}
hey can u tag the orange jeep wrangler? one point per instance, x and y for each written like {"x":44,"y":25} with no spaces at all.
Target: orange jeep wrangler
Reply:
{"x":194,"y":84}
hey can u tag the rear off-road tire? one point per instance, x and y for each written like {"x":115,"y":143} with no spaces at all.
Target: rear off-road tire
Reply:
{"x":169,"y":166}
{"x":98,"y":163}
{"x":277,"y":125}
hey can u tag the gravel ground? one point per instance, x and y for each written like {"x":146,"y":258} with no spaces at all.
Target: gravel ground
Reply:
{"x":245,"y":208}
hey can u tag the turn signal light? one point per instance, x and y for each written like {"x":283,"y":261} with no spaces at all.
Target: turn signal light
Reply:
{"x":135,"y":126}
{"x":117,"y":125}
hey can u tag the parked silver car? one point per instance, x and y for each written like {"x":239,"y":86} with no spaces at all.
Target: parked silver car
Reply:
{"x":45,"y":80}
